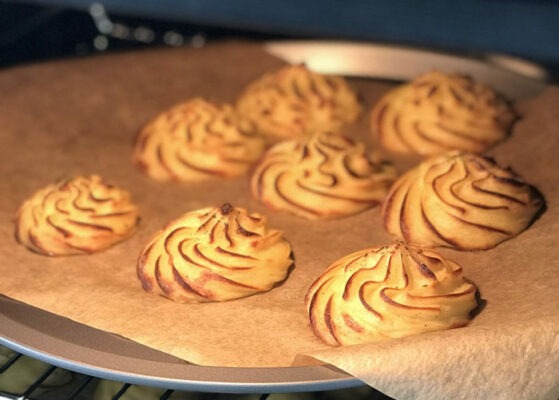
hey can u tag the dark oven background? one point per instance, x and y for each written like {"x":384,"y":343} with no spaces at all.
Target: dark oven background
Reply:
{"x":42,"y":29}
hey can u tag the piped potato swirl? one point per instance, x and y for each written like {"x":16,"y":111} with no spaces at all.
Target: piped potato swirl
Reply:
{"x":440,"y":112}
{"x":295,"y":101}
{"x":462,"y":201}
{"x":197,"y":141}
{"x":324,"y":176}
{"x":76,"y":216}
{"x":388,"y":292}
{"x":214,"y":254}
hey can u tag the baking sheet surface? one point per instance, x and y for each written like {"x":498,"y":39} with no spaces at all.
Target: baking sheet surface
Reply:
{"x":79,"y":117}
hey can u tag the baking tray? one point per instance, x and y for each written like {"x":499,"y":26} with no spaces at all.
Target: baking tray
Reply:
{"x":67,"y":344}
{"x":77,"y":347}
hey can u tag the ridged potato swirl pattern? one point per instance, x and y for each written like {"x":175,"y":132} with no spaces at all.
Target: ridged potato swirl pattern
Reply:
{"x":76,"y":216}
{"x":296,"y":101}
{"x":214,"y":254}
{"x":460,"y":200}
{"x":324,"y":176}
{"x":388,"y":292}
{"x":197,"y":141}
{"x":439,"y":112}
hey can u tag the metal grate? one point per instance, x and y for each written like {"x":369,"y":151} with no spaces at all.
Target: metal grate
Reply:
{"x":80,"y":386}
{"x":76,"y":386}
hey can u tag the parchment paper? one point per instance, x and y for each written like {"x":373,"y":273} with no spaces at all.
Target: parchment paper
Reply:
{"x":65,"y":118}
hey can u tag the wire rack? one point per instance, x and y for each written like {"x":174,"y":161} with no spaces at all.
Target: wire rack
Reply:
{"x":78,"y":385}
{"x":40,"y":385}
{"x":75,"y":387}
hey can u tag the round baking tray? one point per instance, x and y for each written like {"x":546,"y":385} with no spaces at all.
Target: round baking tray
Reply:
{"x":77,"y":347}
{"x":68,"y":344}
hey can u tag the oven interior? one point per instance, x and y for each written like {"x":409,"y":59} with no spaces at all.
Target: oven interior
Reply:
{"x":41,"y":30}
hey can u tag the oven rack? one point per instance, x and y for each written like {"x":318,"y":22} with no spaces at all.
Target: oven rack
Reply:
{"x":82,"y":387}
{"x":79,"y":387}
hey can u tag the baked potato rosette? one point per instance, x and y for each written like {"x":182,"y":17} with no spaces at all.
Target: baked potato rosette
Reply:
{"x":296,"y":101}
{"x":388,"y":292}
{"x":439,"y":112}
{"x":76,"y":216}
{"x":197,"y":141}
{"x":323,"y":176}
{"x":214,"y":254}
{"x":460,"y":200}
